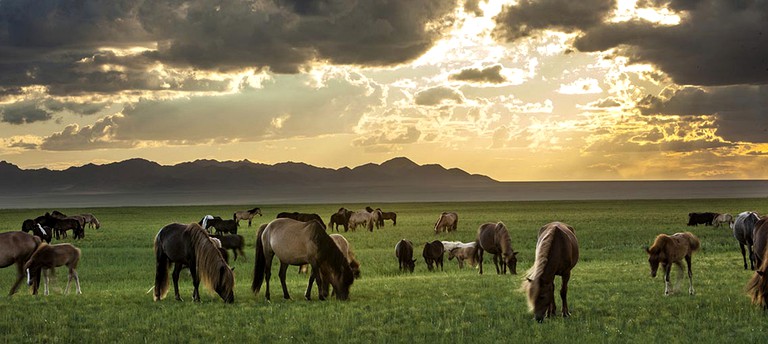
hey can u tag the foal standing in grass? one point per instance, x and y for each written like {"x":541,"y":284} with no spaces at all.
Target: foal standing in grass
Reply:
{"x":671,"y":249}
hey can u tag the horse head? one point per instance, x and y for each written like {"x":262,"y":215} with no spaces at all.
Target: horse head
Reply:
{"x":225,"y":285}
{"x":511,"y":261}
{"x":543,"y":298}
{"x":653,"y":260}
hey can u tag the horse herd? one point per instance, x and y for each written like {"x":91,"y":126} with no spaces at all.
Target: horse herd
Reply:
{"x":302,"y":239}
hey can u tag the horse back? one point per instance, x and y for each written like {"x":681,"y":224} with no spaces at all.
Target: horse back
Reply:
{"x":760,"y":236}
{"x":487,"y":238}
{"x":16,"y":246}
{"x":291,"y":240}
{"x":404,"y":250}
{"x":564,"y":248}
{"x":173,"y":241}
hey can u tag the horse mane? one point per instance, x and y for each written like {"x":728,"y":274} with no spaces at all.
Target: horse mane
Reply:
{"x":503,"y":237}
{"x":329,"y":253}
{"x":531,"y":281}
{"x":253,"y":210}
{"x":208,"y":259}
{"x":757,"y":285}
{"x":659,"y":243}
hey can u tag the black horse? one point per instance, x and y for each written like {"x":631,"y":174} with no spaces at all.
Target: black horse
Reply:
{"x":340,"y":217}
{"x":234,"y":242}
{"x":221,"y":225}
{"x":60,"y":226}
{"x":44,"y":233}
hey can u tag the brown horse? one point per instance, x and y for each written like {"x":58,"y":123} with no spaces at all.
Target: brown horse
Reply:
{"x":404,"y":254}
{"x":760,"y":240}
{"x":297,"y":243}
{"x":16,"y":248}
{"x":671,"y":249}
{"x":557,"y":252}
{"x":447,"y":222}
{"x":48,"y":257}
{"x":433,"y":254}
{"x":189,"y":246}
{"x":494,"y":238}
{"x":234,"y":242}
{"x":91,"y":220}
{"x":246,"y":215}
{"x":387,"y":215}
{"x":346,"y":248}
{"x":757,"y":287}
{"x":340,"y":217}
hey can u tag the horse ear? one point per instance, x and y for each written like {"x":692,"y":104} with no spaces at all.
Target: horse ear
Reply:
{"x":529,"y":280}
{"x":514,"y":253}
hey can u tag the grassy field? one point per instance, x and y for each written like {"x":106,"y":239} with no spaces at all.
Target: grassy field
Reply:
{"x":612,"y":297}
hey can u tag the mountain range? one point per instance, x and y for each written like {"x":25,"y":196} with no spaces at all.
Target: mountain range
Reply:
{"x":143,"y":182}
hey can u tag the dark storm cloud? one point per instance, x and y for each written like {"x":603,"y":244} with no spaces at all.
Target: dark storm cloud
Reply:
{"x":739,"y":111}
{"x":53,"y":43}
{"x":24,"y":112}
{"x":530,"y":16}
{"x":490,"y":74}
{"x":716,"y":43}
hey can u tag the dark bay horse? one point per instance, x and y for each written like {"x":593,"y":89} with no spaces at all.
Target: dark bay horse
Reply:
{"x":61,"y":225}
{"x":189,"y":246}
{"x":671,"y":249}
{"x":16,"y":248}
{"x":760,"y":240}
{"x":44,"y":233}
{"x":234,"y":242}
{"x":246,"y":215}
{"x":494,"y":238}
{"x":433,"y":254}
{"x":388,"y":215}
{"x":557,"y":252}
{"x":48,"y":257}
{"x":404,"y":254}
{"x":297,"y":243}
{"x":757,"y":287}
{"x":221,"y":225}
{"x":340,"y":217}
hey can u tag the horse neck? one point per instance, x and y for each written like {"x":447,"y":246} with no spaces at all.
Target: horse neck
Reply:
{"x":504,"y":242}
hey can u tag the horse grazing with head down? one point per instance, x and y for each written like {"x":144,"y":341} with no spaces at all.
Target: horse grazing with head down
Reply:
{"x":221,"y":225}
{"x":44,"y":233}
{"x":757,"y":287}
{"x":48,"y":257}
{"x":303,"y":217}
{"x":297,"y":243}
{"x":671,"y":249}
{"x":340,"y":217}
{"x":246,"y":215}
{"x":760,"y":238}
{"x":447,"y":222}
{"x":494,"y":238}
{"x":346,"y":249}
{"x":361,"y":218}
{"x":190,"y":246}
{"x":742,"y":231}
{"x":433,"y":254}
{"x":557,"y":252}
{"x":404,"y":254}
{"x":17,"y":248}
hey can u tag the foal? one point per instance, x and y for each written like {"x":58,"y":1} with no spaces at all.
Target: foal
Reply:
{"x":47,"y":257}
{"x":671,"y":249}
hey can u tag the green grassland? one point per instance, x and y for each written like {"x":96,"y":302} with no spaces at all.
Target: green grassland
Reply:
{"x":612,"y":297}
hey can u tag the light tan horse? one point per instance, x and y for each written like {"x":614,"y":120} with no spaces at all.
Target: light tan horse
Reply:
{"x":246,"y":215}
{"x":296,"y":243}
{"x":48,"y":257}
{"x":91,"y":220}
{"x":16,"y":248}
{"x":557,"y":252}
{"x":361,"y":218}
{"x":494,"y":238}
{"x":447,"y":222}
{"x":672,"y":249}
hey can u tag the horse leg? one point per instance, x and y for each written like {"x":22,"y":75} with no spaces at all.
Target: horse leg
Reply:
{"x":564,"y":294}
{"x":690,"y":275}
{"x":496,"y":263}
{"x":667,"y":270}
{"x":69,"y":281}
{"x":175,"y":275}
{"x":751,"y":256}
{"x":480,"y":258}
{"x":45,"y":274}
{"x":308,"y":293}
{"x":281,"y":274}
{"x":195,"y":283}
{"x":744,"y":255}
{"x":19,"y":276}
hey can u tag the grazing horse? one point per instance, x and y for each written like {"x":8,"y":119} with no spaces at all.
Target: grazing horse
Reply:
{"x":346,"y":248}
{"x":297,"y":243}
{"x":340,"y":217}
{"x":361,"y":218}
{"x":189,"y":246}
{"x":234,"y":242}
{"x":246,"y":215}
{"x":494,"y":238}
{"x":464,"y":252}
{"x":60,"y":225}
{"x":557,"y":252}
{"x":91,"y":220}
{"x":387,"y":215}
{"x":433,"y":254}
{"x":447,"y":222}
{"x":303,"y":217}
{"x":221,"y":225}
{"x":721,"y":219}
{"x":44,"y":233}
{"x":760,"y":239}
{"x":48,"y":257}
{"x":376,"y":218}
{"x":404,"y":254}
{"x":671,"y":249}
{"x":706,"y":219}
{"x":742,"y":231}
{"x":16,"y":248}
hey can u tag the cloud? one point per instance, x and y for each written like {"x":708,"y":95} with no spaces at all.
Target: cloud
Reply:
{"x":581,"y":86}
{"x":439,"y":95}
{"x":529,"y":17}
{"x":716,"y":42}
{"x":738,"y":111}
{"x":24,"y":112}
{"x":389,"y":137}
{"x":491,"y":74}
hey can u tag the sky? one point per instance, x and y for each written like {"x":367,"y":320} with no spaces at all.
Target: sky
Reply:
{"x":528,"y":90}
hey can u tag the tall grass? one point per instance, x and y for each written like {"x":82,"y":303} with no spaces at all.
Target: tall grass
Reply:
{"x":611,"y":296}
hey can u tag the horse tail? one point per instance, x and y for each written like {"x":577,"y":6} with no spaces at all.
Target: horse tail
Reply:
{"x":694,"y":242}
{"x":260,"y":262}
{"x":162,"y":265}
{"x":753,"y":288}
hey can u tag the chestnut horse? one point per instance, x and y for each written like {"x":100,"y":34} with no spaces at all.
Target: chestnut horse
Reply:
{"x":297,"y":243}
{"x":757,"y":287}
{"x":16,"y":248}
{"x":48,"y":257}
{"x":671,"y":249}
{"x":494,"y":238}
{"x":189,"y":246}
{"x":557,"y":252}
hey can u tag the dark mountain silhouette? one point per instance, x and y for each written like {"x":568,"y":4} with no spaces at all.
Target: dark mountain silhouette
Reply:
{"x":143,"y":182}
